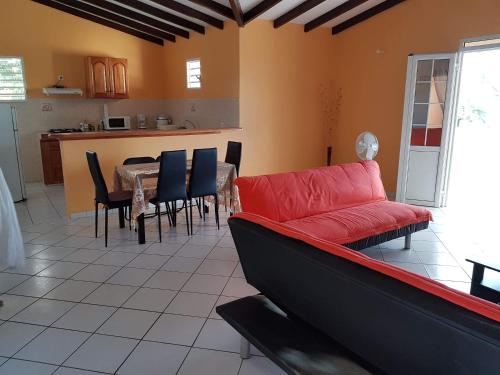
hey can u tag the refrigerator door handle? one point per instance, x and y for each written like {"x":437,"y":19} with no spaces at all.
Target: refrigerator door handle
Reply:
{"x":18,"y":151}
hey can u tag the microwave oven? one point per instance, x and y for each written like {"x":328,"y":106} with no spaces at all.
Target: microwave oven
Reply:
{"x":117,"y":123}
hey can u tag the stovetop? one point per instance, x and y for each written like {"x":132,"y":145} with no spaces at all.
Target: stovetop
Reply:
{"x":65,"y":130}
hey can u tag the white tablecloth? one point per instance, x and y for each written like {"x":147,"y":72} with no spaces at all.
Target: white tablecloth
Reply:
{"x":11,"y":240}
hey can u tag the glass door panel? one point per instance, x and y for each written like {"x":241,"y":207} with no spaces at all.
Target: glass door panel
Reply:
{"x":428,"y":102}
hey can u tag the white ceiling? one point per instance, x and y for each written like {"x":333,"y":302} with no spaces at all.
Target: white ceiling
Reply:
{"x":278,"y":10}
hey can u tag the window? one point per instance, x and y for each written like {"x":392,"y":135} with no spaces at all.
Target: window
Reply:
{"x":193,"y":71}
{"x":481,"y":43}
{"x":12,"y":87}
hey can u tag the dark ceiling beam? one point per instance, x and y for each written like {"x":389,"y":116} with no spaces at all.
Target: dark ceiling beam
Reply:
{"x":112,"y":7}
{"x":101,"y":21}
{"x":237,"y":12}
{"x":216,"y":7}
{"x":117,"y":18}
{"x":257,"y":10}
{"x":365,"y":15}
{"x":334,"y":13}
{"x":295,"y":12}
{"x":191,"y":12}
{"x":166,"y":16}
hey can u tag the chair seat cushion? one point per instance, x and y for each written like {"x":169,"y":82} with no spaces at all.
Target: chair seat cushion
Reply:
{"x":118,"y":196}
{"x":355,"y":223}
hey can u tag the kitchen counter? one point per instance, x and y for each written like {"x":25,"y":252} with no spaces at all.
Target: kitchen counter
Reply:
{"x":109,"y":134}
{"x":113,"y":147}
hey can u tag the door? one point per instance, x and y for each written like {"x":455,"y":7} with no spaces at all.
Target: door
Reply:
{"x":98,"y":77}
{"x":119,"y":77}
{"x":9,"y":157}
{"x":426,"y":128}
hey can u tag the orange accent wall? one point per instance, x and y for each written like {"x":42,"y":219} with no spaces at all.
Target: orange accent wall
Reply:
{"x":53,"y":42}
{"x":218,"y":51}
{"x":281,"y":75}
{"x":373,"y":85}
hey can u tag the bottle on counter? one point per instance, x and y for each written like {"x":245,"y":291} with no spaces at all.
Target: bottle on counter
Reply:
{"x":84,"y":126}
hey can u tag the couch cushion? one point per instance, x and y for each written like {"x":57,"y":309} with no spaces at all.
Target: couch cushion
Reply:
{"x":294,"y":195}
{"x":466,"y":301}
{"x":352,"y":224}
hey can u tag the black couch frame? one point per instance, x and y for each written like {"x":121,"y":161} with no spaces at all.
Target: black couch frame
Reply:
{"x":394,"y":326}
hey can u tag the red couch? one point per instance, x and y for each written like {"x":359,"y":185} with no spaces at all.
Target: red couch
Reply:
{"x":344,"y":204}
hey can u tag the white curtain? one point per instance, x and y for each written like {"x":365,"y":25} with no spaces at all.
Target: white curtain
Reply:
{"x":11,"y":240}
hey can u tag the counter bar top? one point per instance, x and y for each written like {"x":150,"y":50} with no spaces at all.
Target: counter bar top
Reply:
{"x":133,"y":133}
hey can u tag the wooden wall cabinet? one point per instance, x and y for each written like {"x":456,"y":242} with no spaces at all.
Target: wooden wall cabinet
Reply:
{"x":51,"y":161}
{"x":107,"y":77}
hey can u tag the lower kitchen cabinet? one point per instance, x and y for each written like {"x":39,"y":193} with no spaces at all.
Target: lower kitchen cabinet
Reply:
{"x":51,"y":161}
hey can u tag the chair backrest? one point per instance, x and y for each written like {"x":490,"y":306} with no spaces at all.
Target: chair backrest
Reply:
{"x":101,"y":190}
{"x":172,"y":176}
{"x":233,"y":155}
{"x":203,"y":178}
{"x":139,"y":160}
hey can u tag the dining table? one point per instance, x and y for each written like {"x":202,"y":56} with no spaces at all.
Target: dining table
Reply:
{"x":142,"y":179}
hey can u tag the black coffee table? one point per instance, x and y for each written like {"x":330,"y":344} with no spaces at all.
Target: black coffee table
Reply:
{"x":485,"y":286}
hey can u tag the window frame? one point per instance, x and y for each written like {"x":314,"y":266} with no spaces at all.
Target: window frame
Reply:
{"x":21,"y":58}
{"x":188,"y":76}
{"x":480,"y":43}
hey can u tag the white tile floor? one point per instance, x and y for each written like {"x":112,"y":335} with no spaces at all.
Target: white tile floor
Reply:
{"x":77,"y":307}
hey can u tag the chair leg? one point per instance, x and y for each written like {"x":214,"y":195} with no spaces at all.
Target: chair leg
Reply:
{"x":169,"y":214}
{"x":191,"y":216}
{"x":96,"y":218}
{"x":174,"y":213}
{"x":158,"y":212}
{"x":106,"y":226}
{"x":217,"y":211}
{"x":187,"y":217}
{"x":198,"y":204}
{"x":203,"y":207}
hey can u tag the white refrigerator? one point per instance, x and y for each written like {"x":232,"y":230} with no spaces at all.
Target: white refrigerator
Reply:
{"x":10,"y":159}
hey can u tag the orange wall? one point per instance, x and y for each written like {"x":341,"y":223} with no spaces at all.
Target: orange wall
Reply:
{"x":281,"y":73}
{"x":53,"y":42}
{"x":373,"y":84}
{"x":218,"y":51}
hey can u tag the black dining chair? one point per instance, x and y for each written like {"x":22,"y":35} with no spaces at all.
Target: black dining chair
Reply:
{"x":110,"y":200}
{"x":233,"y":155}
{"x":139,"y":160}
{"x":171,"y":185}
{"x":203,"y":179}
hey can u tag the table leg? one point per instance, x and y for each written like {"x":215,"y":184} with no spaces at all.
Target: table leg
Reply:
{"x":140,"y":229}
{"x":121,"y":217}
